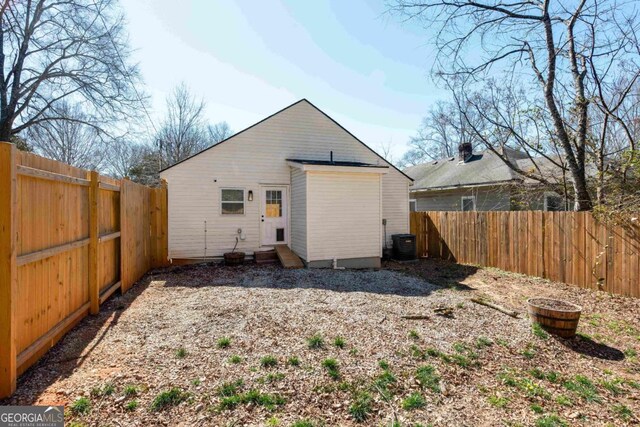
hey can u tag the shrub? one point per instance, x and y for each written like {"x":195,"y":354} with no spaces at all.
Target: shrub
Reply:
{"x":414,"y":401}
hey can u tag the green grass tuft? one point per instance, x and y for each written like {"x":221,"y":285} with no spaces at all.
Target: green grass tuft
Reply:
{"x":293,"y":361}
{"x":130,"y":391}
{"x":498,"y":401}
{"x":414,"y":401}
{"x":428,"y":378}
{"x":361,"y":408}
{"x":235,"y":359}
{"x":331,"y":365}
{"x":551,"y":421}
{"x":537,"y":330}
{"x":171,"y":397}
{"x":81,"y":406}
{"x":229,"y":388}
{"x":339,"y":342}
{"x":268,"y":362}
{"x":583,"y":387}
{"x":181,"y":353}
{"x":131,"y":406}
{"x":622,"y":411}
{"x":414,"y":334}
{"x":315,"y":342}
{"x":224,"y":342}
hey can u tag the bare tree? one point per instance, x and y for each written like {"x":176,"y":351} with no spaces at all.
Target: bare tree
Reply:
{"x":184,"y":131}
{"x":70,"y":141}
{"x":547,"y":46}
{"x":441,"y":131}
{"x":71,"y":50}
{"x":219,"y":132}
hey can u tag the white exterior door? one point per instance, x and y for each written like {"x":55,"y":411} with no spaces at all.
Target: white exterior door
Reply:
{"x":273,"y":216}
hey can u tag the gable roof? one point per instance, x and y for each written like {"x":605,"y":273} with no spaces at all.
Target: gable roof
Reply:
{"x":278,"y":112}
{"x":482,"y":169}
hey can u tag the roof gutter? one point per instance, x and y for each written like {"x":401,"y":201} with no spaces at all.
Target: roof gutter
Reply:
{"x":472,"y":185}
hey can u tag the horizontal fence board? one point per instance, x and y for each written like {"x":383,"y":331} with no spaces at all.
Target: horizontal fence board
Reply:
{"x":569,"y":247}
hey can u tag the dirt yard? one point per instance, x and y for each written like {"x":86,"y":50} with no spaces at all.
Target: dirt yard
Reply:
{"x":215,"y":346}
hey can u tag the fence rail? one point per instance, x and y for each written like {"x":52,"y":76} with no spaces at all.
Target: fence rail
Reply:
{"x":69,"y":239}
{"x":569,"y":247}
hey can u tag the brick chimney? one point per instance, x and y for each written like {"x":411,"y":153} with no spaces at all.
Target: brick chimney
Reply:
{"x":465,"y":151}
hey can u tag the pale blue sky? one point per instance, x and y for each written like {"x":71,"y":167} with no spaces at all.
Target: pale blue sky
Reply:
{"x":248,"y":59}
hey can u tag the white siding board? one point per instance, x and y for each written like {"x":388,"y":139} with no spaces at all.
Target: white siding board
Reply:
{"x":299,"y":213}
{"x":343,"y":215}
{"x":258,"y":156}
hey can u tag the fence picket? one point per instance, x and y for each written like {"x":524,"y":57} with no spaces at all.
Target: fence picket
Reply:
{"x":60,"y":252}
{"x":570,"y":247}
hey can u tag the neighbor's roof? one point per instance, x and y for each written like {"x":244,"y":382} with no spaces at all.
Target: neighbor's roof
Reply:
{"x":336,"y":163}
{"x":278,"y":112}
{"x":484,"y":168}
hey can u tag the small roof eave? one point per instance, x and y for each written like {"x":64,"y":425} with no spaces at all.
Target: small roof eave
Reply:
{"x":340,"y":167}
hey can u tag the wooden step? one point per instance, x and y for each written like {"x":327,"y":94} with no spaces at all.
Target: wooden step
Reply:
{"x":266,"y":257}
{"x":287,"y":257}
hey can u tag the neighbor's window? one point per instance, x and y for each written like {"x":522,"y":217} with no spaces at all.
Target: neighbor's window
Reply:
{"x":553,"y":202}
{"x":232,"y":201}
{"x":412,"y":205}
{"x":468,"y":203}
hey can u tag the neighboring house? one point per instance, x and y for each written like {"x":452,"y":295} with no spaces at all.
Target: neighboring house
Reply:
{"x":481,"y":181}
{"x":296,"y":178}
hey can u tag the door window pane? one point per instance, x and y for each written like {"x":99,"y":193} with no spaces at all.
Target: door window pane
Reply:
{"x":274,"y":203}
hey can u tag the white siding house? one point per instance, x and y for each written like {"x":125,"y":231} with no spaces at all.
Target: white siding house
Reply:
{"x":295,"y":178}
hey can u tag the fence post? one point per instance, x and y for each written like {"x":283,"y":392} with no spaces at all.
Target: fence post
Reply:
{"x":124,"y":281}
{"x":94,"y":230}
{"x":8,"y":268}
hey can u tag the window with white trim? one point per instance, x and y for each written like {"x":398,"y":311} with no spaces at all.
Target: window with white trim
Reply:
{"x":232,"y":201}
{"x":412,"y":205}
{"x":468,"y":203}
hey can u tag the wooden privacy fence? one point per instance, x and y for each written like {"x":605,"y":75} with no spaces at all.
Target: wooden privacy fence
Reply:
{"x":69,"y":238}
{"x":569,"y":247}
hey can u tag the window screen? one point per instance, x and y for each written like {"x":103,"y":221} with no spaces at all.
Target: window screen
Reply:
{"x":232,"y":202}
